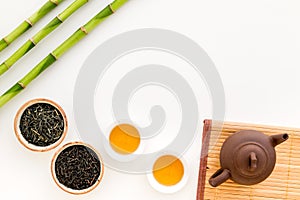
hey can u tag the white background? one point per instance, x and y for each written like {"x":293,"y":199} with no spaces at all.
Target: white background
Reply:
{"x":254,"y":44}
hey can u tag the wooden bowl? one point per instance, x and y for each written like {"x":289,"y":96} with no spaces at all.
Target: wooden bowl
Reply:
{"x":69,"y":190}
{"x":20,"y":137}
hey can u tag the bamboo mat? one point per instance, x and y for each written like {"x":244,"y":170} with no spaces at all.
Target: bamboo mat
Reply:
{"x":284,"y":182}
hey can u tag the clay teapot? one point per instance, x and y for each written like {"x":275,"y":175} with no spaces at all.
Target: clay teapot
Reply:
{"x":247,"y":157}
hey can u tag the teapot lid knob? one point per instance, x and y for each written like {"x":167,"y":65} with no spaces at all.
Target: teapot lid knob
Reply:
{"x":251,"y":160}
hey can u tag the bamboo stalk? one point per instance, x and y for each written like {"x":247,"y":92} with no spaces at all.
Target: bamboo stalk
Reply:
{"x":31,"y":43}
{"x":28,"y":23}
{"x":60,"y":50}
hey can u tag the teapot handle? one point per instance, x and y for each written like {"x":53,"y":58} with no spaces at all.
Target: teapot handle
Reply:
{"x":219,"y":177}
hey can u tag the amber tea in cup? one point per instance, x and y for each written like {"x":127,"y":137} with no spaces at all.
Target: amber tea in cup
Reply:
{"x":169,"y":174}
{"x":124,"y":139}
{"x":168,"y":170}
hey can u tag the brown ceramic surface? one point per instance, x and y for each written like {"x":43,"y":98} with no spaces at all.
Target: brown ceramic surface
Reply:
{"x":247,"y":157}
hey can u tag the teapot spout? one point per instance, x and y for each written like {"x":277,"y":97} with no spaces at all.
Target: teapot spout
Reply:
{"x":219,"y":177}
{"x":278,"y":139}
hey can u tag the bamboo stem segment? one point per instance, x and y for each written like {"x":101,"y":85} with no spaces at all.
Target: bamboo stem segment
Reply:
{"x":28,"y":23}
{"x":31,"y":43}
{"x":60,"y":50}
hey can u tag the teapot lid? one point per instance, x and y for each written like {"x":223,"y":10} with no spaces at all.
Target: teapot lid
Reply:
{"x":249,"y":156}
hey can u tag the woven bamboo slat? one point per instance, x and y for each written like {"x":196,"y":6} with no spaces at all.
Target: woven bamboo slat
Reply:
{"x":284,"y":182}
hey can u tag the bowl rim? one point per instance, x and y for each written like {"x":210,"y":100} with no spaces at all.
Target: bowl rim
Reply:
{"x":69,"y":190}
{"x":23,"y":141}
